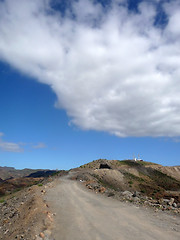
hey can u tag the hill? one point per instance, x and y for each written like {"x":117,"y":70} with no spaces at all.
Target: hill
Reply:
{"x":25,"y":214}
{"x":147,"y":178}
{"x":10,"y":172}
{"x":12,"y":180}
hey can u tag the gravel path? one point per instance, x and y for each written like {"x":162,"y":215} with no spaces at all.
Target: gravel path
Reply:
{"x":83,"y":215}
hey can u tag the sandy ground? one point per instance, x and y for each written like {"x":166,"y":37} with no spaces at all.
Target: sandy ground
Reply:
{"x":82,"y":215}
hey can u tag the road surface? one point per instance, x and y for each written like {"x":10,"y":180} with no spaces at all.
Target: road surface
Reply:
{"x":83,"y":215}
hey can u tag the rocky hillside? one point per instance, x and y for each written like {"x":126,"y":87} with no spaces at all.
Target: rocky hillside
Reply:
{"x":147,"y":178}
{"x":23,"y":212}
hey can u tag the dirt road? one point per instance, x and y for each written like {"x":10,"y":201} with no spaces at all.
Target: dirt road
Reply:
{"x":83,"y":215}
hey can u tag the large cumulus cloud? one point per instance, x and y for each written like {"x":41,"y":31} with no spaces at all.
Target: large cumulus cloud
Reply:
{"x":112,"y":69}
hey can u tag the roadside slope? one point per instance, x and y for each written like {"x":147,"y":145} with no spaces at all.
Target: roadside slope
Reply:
{"x":80,"y":214}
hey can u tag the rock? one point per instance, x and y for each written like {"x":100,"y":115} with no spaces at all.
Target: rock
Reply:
{"x":174,"y":205}
{"x":47,"y":233}
{"x":102,"y":190}
{"x":47,"y":222}
{"x":95,"y":185}
{"x":111,"y":194}
{"x":127,"y":194}
{"x":135,"y":199}
{"x":171,"y":201}
{"x":165,"y":201}
{"x":42,"y":235}
{"x":89,"y":186}
{"x":160,"y":201}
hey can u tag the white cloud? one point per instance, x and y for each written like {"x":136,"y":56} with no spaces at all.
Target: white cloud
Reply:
{"x":18,"y":147}
{"x":9,"y":146}
{"x":39,"y":146}
{"x":111,"y":70}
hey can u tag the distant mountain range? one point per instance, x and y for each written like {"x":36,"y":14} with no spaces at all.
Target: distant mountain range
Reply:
{"x":10,"y":172}
{"x":12,"y":180}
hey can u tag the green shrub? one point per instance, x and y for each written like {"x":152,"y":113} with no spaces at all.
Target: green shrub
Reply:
{"x":2,"y":200}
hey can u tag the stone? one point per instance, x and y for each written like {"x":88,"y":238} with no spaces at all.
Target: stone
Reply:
{"x":166,"y":201}
{"x":102,"y":190}
{"x":160,"y":201}
{"x":42,"y":235}
{"x":174,"y":205}
{"x":171,"y":201}
{"x":135,"y":199}
{"x":111,"y":194}
{"x":89,"y":186}
{"x":127,"y":194}
{"x":178,"y":205}
{"x":47,"y":233}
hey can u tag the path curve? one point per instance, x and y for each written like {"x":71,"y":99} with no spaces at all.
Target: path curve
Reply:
{"x":83,"y":215}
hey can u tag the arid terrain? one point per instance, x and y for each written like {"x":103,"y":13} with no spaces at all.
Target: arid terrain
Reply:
{"x":80,"y":214}
{"x":99,"y":200}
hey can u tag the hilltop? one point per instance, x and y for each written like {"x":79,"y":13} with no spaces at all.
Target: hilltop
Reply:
{"x":147,"y":178}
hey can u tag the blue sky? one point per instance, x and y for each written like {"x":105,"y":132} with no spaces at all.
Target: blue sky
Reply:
{"x":78,"y":85}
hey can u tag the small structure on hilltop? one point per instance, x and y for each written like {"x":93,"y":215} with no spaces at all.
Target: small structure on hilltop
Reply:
{"x":137,"y":159}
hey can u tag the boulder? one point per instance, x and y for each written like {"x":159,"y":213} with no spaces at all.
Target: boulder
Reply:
{"x":178,"y":205}
{"x":165,"y":201}
{"x":171,"y":201}
{"x":135,"y":199}
{"x":127,"y":194}
{"x":174,"y":205}
{"x":102,"y":189}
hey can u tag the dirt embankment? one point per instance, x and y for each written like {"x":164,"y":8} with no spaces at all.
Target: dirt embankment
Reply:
{"x":24,"y":215}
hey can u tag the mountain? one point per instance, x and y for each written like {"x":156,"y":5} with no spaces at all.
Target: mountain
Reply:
{"x":148,"y":178}
{"x":12,"y":185}
{"x":12,"y":180}
{"x":10,"y":172}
